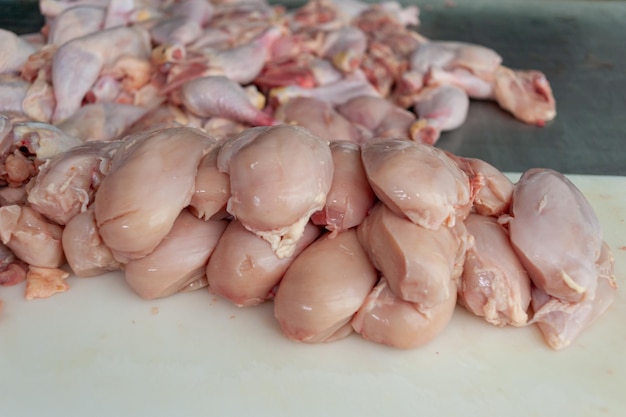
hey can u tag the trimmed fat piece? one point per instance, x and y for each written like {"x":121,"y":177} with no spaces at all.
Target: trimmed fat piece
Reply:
{"x":417,"y":181}
{"x":323,"y":288}
{"x":556,"y":234}
{"x":151,"y":180}
{"x":279,"y":177}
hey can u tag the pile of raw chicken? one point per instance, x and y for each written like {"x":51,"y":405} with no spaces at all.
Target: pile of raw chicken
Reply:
{"x":284,"y":155}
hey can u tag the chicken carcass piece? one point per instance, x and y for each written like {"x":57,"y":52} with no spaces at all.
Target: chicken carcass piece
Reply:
{"x":350,"y":196}
{"x":67,"y":182}
{"x":84,"y":249}
{"x":319,"y":118}
{"x":177,"y":261}
{"x":12,"y":270}
{"x":336,"y":93}
{"x":526,"y":94}
{"x":417,"y":181}
{"x":243,"y":267}
{"x":39,"y":102}
{"x":556,"y":234}
{"x":219,"y":96}
{"x":78,"y":63}
{"x":323,"y":288}
{"x":562,"y":322}
{"x":279,"y":177}
{"x":418,"y":263}
{"x":244,"y":63}
{"x":385,"y":318}
{"x":494,"y":284}
{"x":74,"y":23}
{"x":151,"y":180}
{"x":13,"y":91}
{"x":42,"y":139}
{"x":31,"y":237}
{"x":345,"y":48}
{"x":481,"y":61}
{"x":14,"y":51}
{"x":101,"y":121}
{"x":494,"y":188}
{"x":212,"y":189}
{"x":379,"y":116}
{"x":440,"y":109}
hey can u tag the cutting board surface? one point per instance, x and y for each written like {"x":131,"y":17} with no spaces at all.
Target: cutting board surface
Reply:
{"x":99,"y":350}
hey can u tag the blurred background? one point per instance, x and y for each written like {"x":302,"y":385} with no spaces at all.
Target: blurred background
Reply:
{"x":579,"y":45}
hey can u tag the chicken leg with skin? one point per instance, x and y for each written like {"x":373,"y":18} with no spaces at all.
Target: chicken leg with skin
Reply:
{"x":78,"y":63}
{"x":219,"y":96}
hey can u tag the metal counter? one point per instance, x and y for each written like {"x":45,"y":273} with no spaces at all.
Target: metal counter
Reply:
{"x":579,"y":45}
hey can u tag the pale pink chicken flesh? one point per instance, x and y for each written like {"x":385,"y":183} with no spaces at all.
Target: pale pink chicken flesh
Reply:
{"x":417,"y":181}
{"x":319,"y":118}
{"x":526,"y":94}
{"x":562,"y":322}
{"x":440,"y":109}
{"x":385,"y":318}
{"x":279,"y":177}
{"x":418,"y":263}
{"x":86,"y":253}
{"x":494,"y":284}
{"x":494,"y":189}
{"x":179,"y":259}
{"x":133,"y":214}
{"x":31,"y":237}
{"x":244,"y":269}
{"x":67,"y":182}
{"x":323,"y":288}
{"x":212,"y":188}
{"x":378,"y":116}
{"x":556,"y":234}
{"x":350,"y":196}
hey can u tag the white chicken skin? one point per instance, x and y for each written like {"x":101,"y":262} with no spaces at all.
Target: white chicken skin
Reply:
{"x":279,"y":177}
{"x":323,"y":288}
{"x":78,"y":63}
{"x":219,"y":96}
{"x":134,"y":216}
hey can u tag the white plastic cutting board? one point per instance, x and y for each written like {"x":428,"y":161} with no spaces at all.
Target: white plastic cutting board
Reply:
{"x":99,"y":350}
